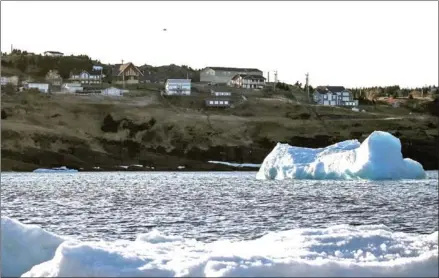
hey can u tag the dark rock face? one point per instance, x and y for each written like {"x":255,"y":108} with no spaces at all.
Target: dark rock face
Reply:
{"x":4,"y":115}
{"x":129,"y":152}
{"x":78,"y":154}
{"x":112,"y":125}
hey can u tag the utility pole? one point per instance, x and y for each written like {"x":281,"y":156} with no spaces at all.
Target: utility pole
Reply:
{"x":123,"y":78}
{"x":275,"y":80}
{"x":307,"y":85}
{"x":268,"y":77}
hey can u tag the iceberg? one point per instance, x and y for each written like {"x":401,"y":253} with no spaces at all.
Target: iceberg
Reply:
{"x":341,"y":250}
{"x":379,"y":157}
{"x":24,"y":246}
{"x":62,"y":169}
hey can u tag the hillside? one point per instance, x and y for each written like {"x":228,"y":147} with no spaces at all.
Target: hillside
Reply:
{"x":164,"y":133}
{"x":35,"y":66}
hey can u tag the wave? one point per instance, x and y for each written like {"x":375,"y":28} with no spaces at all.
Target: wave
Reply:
{"x":340,"y":250}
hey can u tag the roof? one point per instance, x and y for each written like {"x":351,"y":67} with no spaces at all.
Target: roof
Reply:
{"x":53,"y":52}
{"x":119,"y":68}
{"x":253,"y":76}
{"x":234,"y":69}
{"x":90,"y":72}
{"x":332,"y":89}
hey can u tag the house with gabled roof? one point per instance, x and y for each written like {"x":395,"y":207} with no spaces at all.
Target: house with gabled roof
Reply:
{"x":86,"y":77}
{"x":54,"y":79}
{"x":248,"y":81}
{"x":224,"y":75}
{"x":334,"y":96}
{"x":126,"y":73}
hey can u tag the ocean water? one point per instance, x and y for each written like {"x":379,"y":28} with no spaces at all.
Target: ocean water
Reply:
{"x":211,"y":206}
{"x":216,"y":224}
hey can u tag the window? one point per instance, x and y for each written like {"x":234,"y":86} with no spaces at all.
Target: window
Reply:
{"x":226,"y":102}
{"x":216,"y":102}
{"x":210,"y":102}
{"x":221,"y":102}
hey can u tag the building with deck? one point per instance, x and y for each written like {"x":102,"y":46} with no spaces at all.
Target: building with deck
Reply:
{"x":334,"y":96}
{"x":223,"y":75}
{"x":248,"y":81}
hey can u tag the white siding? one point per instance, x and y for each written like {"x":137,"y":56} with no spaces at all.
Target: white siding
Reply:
{"x":42,"y":87}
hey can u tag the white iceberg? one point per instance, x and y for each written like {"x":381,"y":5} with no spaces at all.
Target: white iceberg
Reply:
{"x":62,"y":169}
{"x":24,"y":246}
{"x":342,"y":250}
{"x":379,"y":157}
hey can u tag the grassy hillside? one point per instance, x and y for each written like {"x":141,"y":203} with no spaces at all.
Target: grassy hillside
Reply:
{"x":85,"y":132}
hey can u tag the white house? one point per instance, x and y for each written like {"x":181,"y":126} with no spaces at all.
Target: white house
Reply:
{"x":248,"y":81}
{"x":53,"y":53}
{"x":334,"y":96}
{"x":71,"y":88}
{"x":42,"y":87}
{"x":113,"y":91}
{"x":178,"y":87}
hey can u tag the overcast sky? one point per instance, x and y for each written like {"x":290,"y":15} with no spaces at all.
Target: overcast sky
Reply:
{"x":338,"y":43}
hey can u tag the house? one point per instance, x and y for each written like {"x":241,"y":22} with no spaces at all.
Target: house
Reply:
{"x":42,"y":87}
{"x":9,"y":80}
{"x":53,"y":53}
{"x":248,"y":81}
{"x":178,"y":87}
{"x":85,"y":77}
{"x":220,"y":94}
{"x":126,"y":74}
{"x":220,"y":103}
{"x":54,"y":79}
{"x":113,"y":91}
{"x":334,"y":96}
{"x":71,"y":88}
{"x":221,"y":75}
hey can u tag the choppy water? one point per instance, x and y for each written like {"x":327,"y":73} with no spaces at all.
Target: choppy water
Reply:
{"x":211,"y":206}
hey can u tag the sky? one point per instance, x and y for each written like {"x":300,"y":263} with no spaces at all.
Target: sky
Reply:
{"x":346,"y":43}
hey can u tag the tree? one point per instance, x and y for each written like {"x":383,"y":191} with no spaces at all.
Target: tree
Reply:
{"x":10,"y":89}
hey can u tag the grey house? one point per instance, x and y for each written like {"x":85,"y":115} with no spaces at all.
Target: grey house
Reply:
{"x":334,"y":96}
{"x":220,"y":75}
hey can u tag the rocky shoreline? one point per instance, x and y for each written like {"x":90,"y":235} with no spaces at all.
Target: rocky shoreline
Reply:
{"x":128,"y":155}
